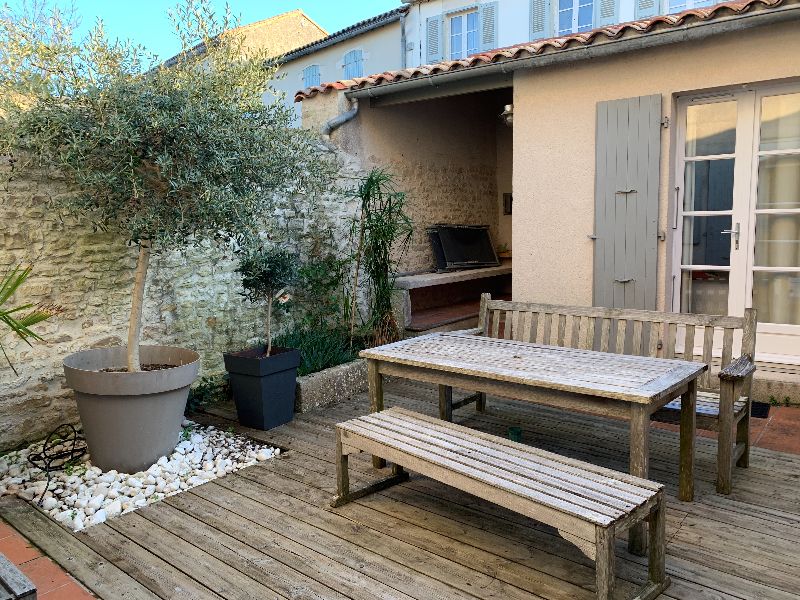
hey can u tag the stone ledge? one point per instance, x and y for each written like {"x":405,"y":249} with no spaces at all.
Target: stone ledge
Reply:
{"x":330,"y":385}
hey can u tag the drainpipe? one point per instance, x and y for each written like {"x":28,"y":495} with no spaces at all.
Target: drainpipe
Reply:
{"x":403,"y":61}
{"x":340,"y":119}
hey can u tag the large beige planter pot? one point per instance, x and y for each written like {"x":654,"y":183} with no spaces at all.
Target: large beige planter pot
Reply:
{"x":131,"y":419}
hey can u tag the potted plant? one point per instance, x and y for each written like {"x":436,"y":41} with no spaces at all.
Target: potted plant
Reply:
{"x":263,"y":378}
{"x":164,"y":158}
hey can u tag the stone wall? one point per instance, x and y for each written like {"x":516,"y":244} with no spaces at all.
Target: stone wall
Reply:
{"x":192,"y":298}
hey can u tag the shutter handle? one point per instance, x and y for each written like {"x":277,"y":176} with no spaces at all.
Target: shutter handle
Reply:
{"x":626,"y":280}
{"x":631,"y":191}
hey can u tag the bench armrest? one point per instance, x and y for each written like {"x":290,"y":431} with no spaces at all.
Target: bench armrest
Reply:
{"x":740,"y":368}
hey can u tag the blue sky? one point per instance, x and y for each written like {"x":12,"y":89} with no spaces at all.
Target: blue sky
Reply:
{"x":146,"y":21}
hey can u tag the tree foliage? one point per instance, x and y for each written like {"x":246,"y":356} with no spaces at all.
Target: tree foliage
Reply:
{"x":168,"y":154}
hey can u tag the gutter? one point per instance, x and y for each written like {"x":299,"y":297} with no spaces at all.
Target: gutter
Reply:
{"x":671,"y":35}
{"x":340,"y":119}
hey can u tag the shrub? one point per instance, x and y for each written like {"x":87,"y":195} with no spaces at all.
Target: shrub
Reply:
{"x":320,"y":348}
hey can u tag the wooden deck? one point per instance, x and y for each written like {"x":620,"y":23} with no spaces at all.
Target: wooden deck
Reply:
{"x":267,"y":532}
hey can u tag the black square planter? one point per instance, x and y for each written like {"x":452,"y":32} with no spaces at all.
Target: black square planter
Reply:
{"x":263,"y":386}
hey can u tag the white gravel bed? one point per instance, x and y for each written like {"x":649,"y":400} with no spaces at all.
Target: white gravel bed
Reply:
{"x":82,"y":495}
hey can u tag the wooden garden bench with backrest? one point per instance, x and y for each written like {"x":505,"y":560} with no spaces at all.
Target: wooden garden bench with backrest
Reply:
{"x":723,"y":400}
{"x":587,"y":504}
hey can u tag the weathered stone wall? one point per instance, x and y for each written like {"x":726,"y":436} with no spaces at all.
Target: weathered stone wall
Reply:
{"x":442,"y":152}
{"x":192,"y":298}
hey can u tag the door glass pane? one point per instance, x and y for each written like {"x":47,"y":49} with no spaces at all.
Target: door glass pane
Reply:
{"x":704,"y":243}
{"x":776,"y":297}
{"x":704,"y":292}
{"x":455,"y":37}
{"x":780,"y":122}
{"x":711,"y":129}
{"x":709,"y":185}
{"x":585,"y":14}
{"x":777,"y":240}
{"x":779,"y":181}
{"x":472,"y":33}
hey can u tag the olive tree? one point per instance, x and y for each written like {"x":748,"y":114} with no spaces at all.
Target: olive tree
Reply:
{"x":165,"y":155}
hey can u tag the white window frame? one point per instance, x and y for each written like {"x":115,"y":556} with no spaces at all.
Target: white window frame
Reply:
{"x":775,"y":340}
{"x":575,"y":8}
{"x":687,"y":5}
{"x":464,"y":50}
{"x":304,"y":76}
{"x":344,"y":63}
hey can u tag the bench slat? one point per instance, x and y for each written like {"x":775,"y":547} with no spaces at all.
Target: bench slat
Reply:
{"x":407,"y":434}
{"x":598,"y":489}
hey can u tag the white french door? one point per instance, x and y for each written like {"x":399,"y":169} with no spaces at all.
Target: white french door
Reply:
{"x":737,"y":225}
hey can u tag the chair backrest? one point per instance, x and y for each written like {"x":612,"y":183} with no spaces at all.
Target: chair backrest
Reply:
{"x":622,"y":331}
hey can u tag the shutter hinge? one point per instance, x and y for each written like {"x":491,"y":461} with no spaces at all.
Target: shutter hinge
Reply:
{"x":662,"y":235}
{"x":592,"y":236}
{"x":665,"y":122}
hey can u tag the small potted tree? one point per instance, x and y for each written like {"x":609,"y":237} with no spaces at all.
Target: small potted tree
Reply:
{"x":164,"y":157}
{"x":263,"y":378}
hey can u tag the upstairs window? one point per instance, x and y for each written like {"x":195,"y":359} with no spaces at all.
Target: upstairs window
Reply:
{"x":463,"y":34}
{"x":575,"y":16}
{"x":676,"y":6}
{"x":311,"y":76}
{"x":353,"y":64}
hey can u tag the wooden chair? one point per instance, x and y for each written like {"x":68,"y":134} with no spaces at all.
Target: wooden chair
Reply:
{"x":723,"y":402}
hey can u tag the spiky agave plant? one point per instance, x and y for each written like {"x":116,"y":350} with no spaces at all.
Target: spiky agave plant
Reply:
{"x":19,"y":319}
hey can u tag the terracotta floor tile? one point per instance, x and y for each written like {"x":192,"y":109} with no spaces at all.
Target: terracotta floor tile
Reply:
{"x":5,"y":529}
{"x":70,"y":591}
{"x":783,"y":430}
{"x":45,"y":574}
{"x":17,"y":549}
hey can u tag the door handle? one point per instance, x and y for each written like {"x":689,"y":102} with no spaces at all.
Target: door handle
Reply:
{"x":735,"y":233}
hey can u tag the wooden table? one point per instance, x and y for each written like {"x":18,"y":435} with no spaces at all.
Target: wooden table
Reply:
{"x":615,"y":385}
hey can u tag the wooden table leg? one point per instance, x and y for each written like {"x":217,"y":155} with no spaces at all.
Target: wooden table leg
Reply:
{"x":445,"y":403}
{"x":639,"y":466}
{"x":688,"y":431}
{"x":375,"y":380}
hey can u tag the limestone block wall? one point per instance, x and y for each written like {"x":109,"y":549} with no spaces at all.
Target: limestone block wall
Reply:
{"x":192,"y":298}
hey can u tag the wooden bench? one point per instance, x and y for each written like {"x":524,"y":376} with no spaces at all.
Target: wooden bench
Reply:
{"x":723,"y":399}
{"x":588,"y":505}
{"x":14,"y":585}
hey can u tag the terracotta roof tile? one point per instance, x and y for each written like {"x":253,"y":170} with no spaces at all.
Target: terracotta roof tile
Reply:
{"x":554,"y":44}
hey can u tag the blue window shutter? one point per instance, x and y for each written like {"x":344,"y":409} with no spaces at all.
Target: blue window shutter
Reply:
{"x":606,"y":12}
{"x":646,"y":9}
{"x":487,"y":24}
{"x":541,"y":19}
{"x":354,"y":64}
{"x":311,"y":76}
{"x":434,"y":39}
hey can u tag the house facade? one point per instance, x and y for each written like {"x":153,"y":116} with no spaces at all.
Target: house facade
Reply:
{"x":653,"y":165}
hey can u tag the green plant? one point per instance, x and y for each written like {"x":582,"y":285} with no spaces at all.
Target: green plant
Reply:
{"x":211,"y":389}
{"x":165,"y":157}
{"x":17,"y":321}
{"x":320,"y":347}
{"x":773,"y":401}
{"x":266,"y":273}
{"x":319,"y":291}
{"x":384,"y":232}
{"x":787,"y":401}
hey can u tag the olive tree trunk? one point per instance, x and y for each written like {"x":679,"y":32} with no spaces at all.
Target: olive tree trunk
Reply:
{"x":135,"y":327}
{"x":269,"y":325}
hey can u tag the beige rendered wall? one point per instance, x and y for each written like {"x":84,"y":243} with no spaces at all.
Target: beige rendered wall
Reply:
{"x":443,"y":153}
{"x":554,"y":155}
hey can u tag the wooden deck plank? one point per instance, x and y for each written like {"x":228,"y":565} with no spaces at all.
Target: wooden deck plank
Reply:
{"x":422,"y":539}
{"x":86,"y":565}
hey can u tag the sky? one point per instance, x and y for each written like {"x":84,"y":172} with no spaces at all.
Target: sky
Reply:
{"x":146,"y":21}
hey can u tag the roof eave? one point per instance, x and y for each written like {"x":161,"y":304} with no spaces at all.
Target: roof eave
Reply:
{"x":688,"y":32}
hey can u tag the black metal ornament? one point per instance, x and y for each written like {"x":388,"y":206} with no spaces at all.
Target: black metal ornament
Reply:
{"x":65,"y":445}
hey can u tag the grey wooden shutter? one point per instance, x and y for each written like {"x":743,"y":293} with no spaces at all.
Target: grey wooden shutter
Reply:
{"x":487,"y":20}
{"x":628,"y":147}
{"x":434,"y":42}
{"x":646,"y":8}
{"x":540,"y":19}
{"x":606,"y":12}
